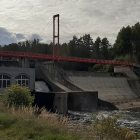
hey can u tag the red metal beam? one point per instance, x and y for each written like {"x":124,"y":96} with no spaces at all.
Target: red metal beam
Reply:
{"x":55,"y":36}
{"x":60,"y":58}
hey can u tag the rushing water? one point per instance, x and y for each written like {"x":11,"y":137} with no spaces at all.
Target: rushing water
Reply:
{"x":130,"y":119}
{"x":41,"y":86}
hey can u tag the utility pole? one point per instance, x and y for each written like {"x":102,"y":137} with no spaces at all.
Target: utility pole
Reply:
{"x":55,"y":36}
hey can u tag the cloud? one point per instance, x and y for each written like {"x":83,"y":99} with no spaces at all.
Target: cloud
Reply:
{"x":101,"y":17}
{"x":6,"y":37}
{"x":20,"y":36}
{"x":35,"y":36}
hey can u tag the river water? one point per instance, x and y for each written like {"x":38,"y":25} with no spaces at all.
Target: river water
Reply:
{"x":130,"y":119}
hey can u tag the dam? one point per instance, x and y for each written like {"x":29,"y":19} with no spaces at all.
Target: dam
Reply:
{"x":73,"y":90}
{"x":119,"y":87}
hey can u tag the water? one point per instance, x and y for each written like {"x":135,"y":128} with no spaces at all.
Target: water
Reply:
{"x":130,"y":119}
{"x":41,"y":86}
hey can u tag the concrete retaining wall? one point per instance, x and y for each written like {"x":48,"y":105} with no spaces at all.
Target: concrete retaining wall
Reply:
{"x":53,"y":101}
{"x":113,"y":88}
{"x":42,"y":74}
{"x":82,"y":101}
{"x":58,"y":74}
{"x":132,"y":78}
{"x":64,"y":101}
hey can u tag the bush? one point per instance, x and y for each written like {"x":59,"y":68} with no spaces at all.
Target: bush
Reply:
{"x":97,"y":67}
{"x":102,"y":68}
{"x":109,"y":68}
{"x":17,"y":95}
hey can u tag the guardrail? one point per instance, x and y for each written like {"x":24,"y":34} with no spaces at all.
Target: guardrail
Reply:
{"x":60,"y":58}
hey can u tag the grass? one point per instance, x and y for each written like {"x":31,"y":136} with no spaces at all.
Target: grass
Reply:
{"x":23,"y":124}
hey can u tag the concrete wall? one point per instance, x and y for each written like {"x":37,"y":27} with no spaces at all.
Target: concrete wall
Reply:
{"x":111,"y":88}
{"x":60,"y":102}
{"x":82,"y":101}
{"x":59,"y":75}
{"x":44,"y":100}
{"x":132,"y":78}
{"x":13,"y":72}
{"x":123,"y":69}
{"x":77,"y":100}
{"x":53,"y":101}
{"x":8,"y":63}
{"x":42,"y":74}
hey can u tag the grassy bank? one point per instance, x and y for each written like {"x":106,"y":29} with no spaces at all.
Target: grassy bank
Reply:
{"x":23,"y":124}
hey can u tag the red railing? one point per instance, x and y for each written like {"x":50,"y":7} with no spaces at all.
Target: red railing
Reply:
{"x":60,"y":58}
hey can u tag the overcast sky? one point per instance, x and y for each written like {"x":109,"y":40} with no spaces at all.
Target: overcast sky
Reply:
{"x":29,"y":19}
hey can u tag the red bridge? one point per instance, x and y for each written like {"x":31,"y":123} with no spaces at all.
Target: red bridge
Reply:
{"x":59,"y":58}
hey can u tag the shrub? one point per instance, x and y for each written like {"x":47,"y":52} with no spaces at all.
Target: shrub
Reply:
{"x":109,"y":68}
{"x":97,"y":67}
{"x":17,"y":95}
{"x":102,"y":68}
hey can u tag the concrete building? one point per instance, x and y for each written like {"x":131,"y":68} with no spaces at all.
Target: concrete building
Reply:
{"x":22,"y":76}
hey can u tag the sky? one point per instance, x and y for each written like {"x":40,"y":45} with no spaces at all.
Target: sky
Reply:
{"x":22,"y":20}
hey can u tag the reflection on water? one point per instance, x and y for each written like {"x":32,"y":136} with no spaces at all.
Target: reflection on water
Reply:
{"x":130,"y":119}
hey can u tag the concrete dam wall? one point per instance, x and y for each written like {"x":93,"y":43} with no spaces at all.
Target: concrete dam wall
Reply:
{"x":66,"y":94}
{"x":111,"y":88}
{"x":87,"y":90}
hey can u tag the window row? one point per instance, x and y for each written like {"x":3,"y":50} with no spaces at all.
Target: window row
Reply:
{"x":20,"y":79}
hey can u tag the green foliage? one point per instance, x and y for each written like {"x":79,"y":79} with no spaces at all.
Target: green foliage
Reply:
{"x":127,"y":44}
{"x":127,"y":58}
{"x":108,"y":127}
{"x":20,"y":123}
{"x":57,"y":137}
{"x":97,"y":67}
{"x":108,"y":68}
{"x":17,"y":95}
{"x":6,"y":122}
{"x":126,"y":47}
{"x":102,"y":68}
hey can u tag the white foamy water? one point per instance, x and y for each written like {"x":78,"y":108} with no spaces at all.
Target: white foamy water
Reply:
{"x":41,"y":86}
{"x":130,"y":119}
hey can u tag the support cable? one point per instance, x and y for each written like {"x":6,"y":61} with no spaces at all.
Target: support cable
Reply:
{"x":44,"y":27}
{"x":46,"y":30}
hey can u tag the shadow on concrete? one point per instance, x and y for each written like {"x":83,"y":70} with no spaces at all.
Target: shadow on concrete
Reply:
{"x":106,"y":105}
{"x":44,"y":100}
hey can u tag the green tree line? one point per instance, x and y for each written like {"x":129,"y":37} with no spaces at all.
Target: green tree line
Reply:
{"x":125,"y":48}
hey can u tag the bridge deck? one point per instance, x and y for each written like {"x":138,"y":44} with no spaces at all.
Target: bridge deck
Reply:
{"x":60,"y":58}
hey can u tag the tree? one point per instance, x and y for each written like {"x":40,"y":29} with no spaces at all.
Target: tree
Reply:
{"x":136,"y":40}
{"x":123,"y":43}
{"x":86,"y":46}
{"x":73,"y":46}
{"x":104,"y":48}
{"x":96,"y":48}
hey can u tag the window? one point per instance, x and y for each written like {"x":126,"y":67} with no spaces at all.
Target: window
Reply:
{"x":23,"y":80}
{"x":4,"y":80}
